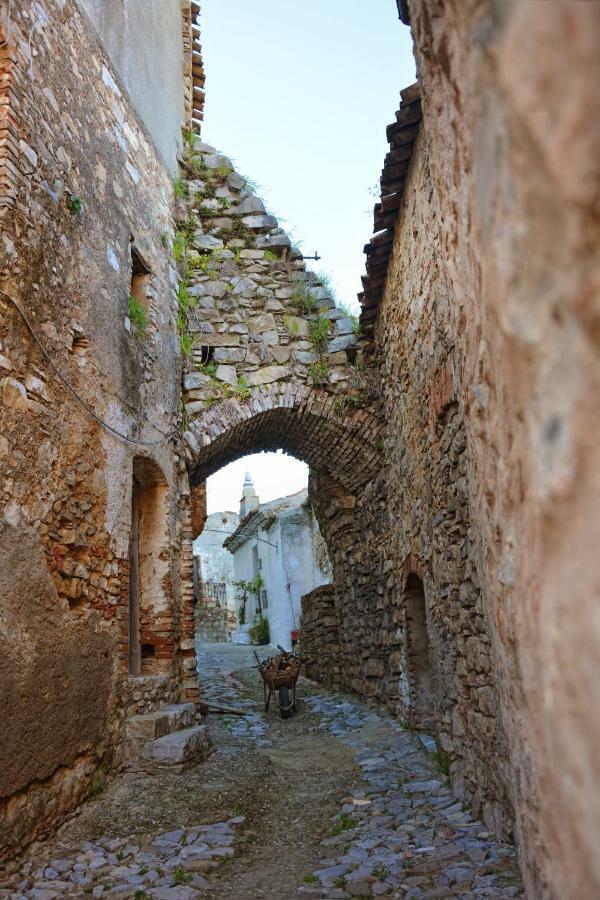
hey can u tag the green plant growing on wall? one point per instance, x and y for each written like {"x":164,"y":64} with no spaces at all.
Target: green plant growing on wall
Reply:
{"x":223,"y":171}
{"x":241,"y":390}
{"x":303,"y":299}
{"x":180,"y":188}
{"x":293,"y":326}
{"x":202,"y":262}
{"x":271,"y":257}
{"x":318,"y":372}
{"x":441,"y":760}
{"x":184,"y":299}
{"x":180,"y":245}
{"x":207,"y":212}
{"x":197,"y":165}
{"x":225,"y":202}
{"x":355,"y":324}
{"x":318,"y":332}
{"x":190,"y":139}
{"x":250,"y":185}
{"x":208,"y":368}
{"x":186,"y":343}
{"x":137,"y":315}
{"x":75,"y":205}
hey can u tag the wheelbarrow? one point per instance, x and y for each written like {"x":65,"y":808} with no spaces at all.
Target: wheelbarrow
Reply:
{"x":279,"y":676}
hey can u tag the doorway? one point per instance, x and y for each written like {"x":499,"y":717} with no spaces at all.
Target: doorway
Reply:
{"x":419,"y":654}
{"x":150,"y":638}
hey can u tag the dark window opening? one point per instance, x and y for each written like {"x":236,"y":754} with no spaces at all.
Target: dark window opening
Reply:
{"x":139,"y":290}
{"x":206,"y":354}
{"x":148,"y":650}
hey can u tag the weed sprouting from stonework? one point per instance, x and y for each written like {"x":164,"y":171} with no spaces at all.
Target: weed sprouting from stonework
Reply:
{"x":318,"y":372}
{"x":292,"y":325}
{"x":223,"y":171}
{"x":242,"y":389}
{"x":441,"y":760}
{"x":251,"y":186}
{"x":304,"y":301}
{"x":180,"y":188}
{"x":137,"y":315}
{"x":190,"y":139}
{"x":75,"y":205}
{"x":345,"y":822}
{"x":270,"y":256}
{"x":318,"y":331}
{"x":180,"y":876}
{"x":209,"y":368}
{"x":180,"y":244}
{"x":197,"y":165}
{"x":186,"y":343}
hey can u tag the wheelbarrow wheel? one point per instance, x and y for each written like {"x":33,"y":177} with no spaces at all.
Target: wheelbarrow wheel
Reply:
{"x":285,"y":707}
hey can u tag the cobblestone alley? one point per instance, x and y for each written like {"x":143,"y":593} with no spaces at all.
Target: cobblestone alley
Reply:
{"x":335,"y":802}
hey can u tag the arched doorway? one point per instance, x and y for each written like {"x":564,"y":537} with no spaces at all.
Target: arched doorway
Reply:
{"x":342,"y":447}
{"x":419,"y":654}
{"x":149,"y":558}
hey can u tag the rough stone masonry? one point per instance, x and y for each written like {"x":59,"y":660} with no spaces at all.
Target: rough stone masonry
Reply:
{"x":453,"y":445}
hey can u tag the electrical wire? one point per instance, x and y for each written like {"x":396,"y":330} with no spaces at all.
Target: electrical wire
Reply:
{"x":82,"y":403}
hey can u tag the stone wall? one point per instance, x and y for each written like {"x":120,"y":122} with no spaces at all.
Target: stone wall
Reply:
{"x":430,"y":528}
{"x":483,"y":317}
{"x":319,"y":639}
{"x":81,"y":185}
{"x":510,"y":110}
{"x":149,"y":61}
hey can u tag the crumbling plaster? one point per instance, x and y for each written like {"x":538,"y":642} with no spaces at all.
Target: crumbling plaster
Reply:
{"x":149,"y":61}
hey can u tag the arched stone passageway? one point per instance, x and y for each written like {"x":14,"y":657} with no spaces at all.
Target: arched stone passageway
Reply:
{"x":302,"y":421}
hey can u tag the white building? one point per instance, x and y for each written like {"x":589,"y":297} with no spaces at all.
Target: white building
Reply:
{"x":281,"y":542}
{"x":213,"y":565}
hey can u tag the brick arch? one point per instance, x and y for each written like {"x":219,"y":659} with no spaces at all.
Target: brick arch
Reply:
{"x":305,"y":422}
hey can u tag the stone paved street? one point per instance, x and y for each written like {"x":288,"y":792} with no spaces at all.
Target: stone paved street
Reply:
{"x":336,"y":802}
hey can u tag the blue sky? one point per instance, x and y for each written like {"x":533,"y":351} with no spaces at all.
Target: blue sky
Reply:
{"x":298,"y":95}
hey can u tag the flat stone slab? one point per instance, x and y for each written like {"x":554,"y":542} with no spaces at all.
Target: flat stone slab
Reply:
{"x":150,"y":726}
{"x":180,"y":748}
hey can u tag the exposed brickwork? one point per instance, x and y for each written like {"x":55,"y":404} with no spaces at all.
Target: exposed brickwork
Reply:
{"x":84,"y":179}
{"x":10,"y":162}
{"x":198,"y":508}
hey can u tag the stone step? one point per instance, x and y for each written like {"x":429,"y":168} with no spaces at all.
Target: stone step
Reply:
{"x":162,"y":721}
{"x":179,"y":749}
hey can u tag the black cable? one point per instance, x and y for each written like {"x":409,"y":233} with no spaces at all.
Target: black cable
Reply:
{"x":72,"y":390}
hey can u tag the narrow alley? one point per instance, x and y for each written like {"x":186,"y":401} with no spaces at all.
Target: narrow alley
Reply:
{"x":299,"y":348}
{"x":337,"y":801}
